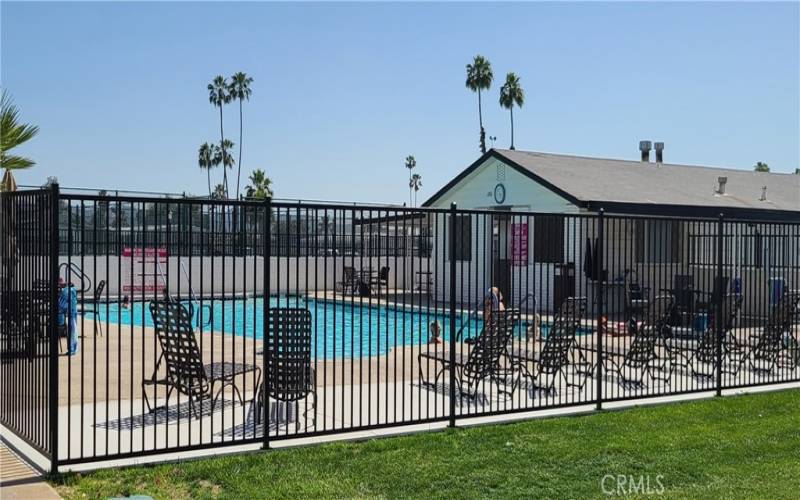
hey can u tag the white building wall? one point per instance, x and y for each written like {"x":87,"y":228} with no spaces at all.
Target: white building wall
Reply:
{"x":523,"y":194}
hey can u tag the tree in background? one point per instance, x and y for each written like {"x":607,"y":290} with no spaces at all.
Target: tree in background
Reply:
{"x":511,"y":94}
{"x":224,"y":157}
{"x":12,"y":134}
{"x":259,"y":187}
{"x":218,"y":95}
{"x":219,"y":192}
{"x":411,"y":163}
{"x":415,"y":183}
{"x":207,"y":159}
{"x":479,"y":77}
{"x":239,"y":90}
{"x":761,"y":167}
{"x":797,"y":171}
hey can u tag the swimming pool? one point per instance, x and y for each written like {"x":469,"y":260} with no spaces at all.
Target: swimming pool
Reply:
{"x":339,"y":330}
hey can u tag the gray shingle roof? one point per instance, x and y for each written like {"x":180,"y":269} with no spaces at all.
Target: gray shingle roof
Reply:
{"x":636,"y":182}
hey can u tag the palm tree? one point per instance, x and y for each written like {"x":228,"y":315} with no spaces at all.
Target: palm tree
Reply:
{"x":479,"y":77}
{"x":218,"y":95}
{"x":219,"y":192}
{"x":259,"y":187}
{"x":415,"y":183}
{"x":239,"y":90}
{"x":224,"y":157}
{"x":206,"y":160}
{"x":761,"y":167}
{"x":12,"y":134}
{"x":411,"y":163}
{"x":511,"y":93}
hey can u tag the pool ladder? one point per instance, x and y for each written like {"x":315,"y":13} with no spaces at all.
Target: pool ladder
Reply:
{"x":192,"y":302}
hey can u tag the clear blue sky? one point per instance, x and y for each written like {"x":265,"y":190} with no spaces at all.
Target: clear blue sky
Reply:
{"x":343,"y":92}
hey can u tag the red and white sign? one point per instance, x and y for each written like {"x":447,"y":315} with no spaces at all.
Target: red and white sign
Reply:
{"x":519,"y":244}
{"x":143,"y":270}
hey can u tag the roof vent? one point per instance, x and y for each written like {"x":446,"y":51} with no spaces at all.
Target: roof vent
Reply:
{"x":644,"y":147}
{"x":721,"y":181}
{"x":763,"y":193}
{"x":659,"y":146}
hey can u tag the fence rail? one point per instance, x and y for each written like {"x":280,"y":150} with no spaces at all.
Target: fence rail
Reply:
{"x":146,"y":326}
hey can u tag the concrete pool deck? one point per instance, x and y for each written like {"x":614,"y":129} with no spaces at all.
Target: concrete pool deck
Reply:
{"x":102,"y":409}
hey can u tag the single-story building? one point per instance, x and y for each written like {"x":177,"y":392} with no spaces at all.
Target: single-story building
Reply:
{"x":648,"y":237}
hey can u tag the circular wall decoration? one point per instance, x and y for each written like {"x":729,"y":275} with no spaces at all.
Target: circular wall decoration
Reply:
{"x":499,"y":194}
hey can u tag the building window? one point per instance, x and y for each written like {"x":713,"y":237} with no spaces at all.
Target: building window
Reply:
{"x":548,"y":238}
{"x":659,"y":241}
{"x":463,"y":237}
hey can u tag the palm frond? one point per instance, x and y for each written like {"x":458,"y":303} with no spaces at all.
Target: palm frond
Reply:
{"x":15,"y":162}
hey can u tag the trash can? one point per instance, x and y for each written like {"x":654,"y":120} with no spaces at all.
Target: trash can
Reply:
{"x":563,"y":283}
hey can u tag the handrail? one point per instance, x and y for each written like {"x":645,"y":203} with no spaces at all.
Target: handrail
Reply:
{"x":70,"y":268}
{"x":194,"y":299}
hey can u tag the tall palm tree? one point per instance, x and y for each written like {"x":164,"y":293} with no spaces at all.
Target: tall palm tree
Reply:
{"x":411,"y":163}
{"x":218,"y":95}
{"x":479,"y":77}
{"x":239,"y":90}
{"x":415,"y":183}
{"x":511,"y":93}
{"x":259,"y":187}
{"x":12,"y":134}
{"x":206,"y":160}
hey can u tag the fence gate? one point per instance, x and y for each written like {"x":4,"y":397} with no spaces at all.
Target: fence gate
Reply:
{"x":28,"y":324}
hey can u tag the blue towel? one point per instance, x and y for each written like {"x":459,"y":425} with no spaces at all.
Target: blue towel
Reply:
{"x":68,"y":308}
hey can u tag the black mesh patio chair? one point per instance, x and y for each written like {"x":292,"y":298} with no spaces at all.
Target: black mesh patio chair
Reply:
{"x":557,"y":353}
{"x":684,"y":300}
{"x":185,"y":370}
{"x":290,"y":374}
{"x":776,"y":346}
{"x":92,"y":306}
{"x":700,"y":357}
{"x":349,"y":281}
{"x":382,"y":278}
{"x":641,"y":357}
{"x":483,"y":360}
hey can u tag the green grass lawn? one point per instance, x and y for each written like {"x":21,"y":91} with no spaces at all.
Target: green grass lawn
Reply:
{"x":733,"y":447}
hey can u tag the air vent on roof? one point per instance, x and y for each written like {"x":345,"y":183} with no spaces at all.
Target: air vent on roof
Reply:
{"x":659,"y":147}
{"x":721,"y":181}
{"x":644,"y":147}
{"x":763,"y":193}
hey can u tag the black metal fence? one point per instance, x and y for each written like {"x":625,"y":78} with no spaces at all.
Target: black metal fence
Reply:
{"x":28,"y":309}
{"x":189,"y":333}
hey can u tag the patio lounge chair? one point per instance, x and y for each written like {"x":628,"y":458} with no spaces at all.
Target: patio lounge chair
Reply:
{"x":641,"y":357}
{"x":701,"y":359}
{"x":185,"y":370}
{"x":483,"y":359}
{"x":771,"y":348}
{"x":290,"y":374}
{"x":555,"y":354}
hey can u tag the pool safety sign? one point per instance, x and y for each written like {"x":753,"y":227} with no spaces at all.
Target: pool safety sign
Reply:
{"x":519,"y":244}
{"x":142,"y":270}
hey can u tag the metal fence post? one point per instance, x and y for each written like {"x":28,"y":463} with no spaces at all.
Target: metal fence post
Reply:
{"x":53,"y":329}
{"x":266,"y":251}
{"x":718,"y":328}
{"x":451,"y":249}
{"x":599,"y":295}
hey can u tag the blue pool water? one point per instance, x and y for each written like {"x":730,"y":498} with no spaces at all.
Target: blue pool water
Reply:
{"x":339,"y":330}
